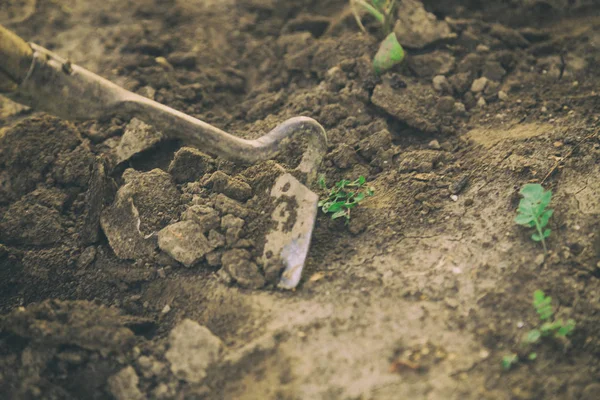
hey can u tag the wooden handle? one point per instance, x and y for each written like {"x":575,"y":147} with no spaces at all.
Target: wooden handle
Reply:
{"x":15,"y":59}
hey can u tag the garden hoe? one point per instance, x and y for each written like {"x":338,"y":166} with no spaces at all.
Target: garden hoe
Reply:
{"x":38,"y":78}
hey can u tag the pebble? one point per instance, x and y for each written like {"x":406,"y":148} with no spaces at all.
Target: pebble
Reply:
{"x":192,"y":350}
{"x":184,"y":241}
{"x":479,"y":84}
{"x":502,"y":95}
{"x":454,"y":197}
{"x":539,"y":260}
{"x":481,"y":102}
{"x":441,"y":84}
{"x":124,"y":385}
{"x":435,"y":145}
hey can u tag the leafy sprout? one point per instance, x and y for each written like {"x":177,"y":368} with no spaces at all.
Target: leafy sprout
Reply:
{"x":550,"y":327}
{"x":343,"y":196}
{"x":390,"y":51}
{"x":532,"y":211}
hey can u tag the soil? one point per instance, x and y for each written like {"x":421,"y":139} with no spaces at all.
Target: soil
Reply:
{"x":420,"y":296}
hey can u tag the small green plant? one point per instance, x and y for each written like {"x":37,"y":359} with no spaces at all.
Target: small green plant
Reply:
{"x":550,"y":327}
{"x":509,"y":360}
{"x":343,"y":196}
{"x":390,"y":51}
{"x":532,"y":211}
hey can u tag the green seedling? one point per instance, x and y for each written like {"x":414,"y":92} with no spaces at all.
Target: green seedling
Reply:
{"x":390,"y":51}
{"x":532,"y":211}
{"x":343,"y":197}
{"x":549,"y":327}
{"x":509,"y":360}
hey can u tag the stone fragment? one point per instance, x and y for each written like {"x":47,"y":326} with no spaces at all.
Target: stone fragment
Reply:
{"x":445,"y":104}
{"x":344,"y":156}
{"x":494,"y":71}
{"x":185,"y":242}
{"x":369,"y":146}
{"x":479,"y":84}
{"x":414,"y":105}
{"x":227,"y":205}
{"x":233,"y":188}
{"x":193,"y":349}
{"x":124,"y":385}
{"x":145,"y":204}
{"x":206,"y":217}
{"x":138,"y":137}
{"x":509,"y":36}
{"x":417,"y":28}
{"x":189,"y":165}
{"x":431,"y":64}
{"x":237,"y":264}
{"x":441,"y":84}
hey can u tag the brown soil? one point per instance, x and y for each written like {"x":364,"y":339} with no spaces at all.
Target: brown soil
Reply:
{"x":419,"y":297}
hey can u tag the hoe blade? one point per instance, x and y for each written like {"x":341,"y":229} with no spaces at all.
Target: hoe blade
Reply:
{"x":293,"y":219}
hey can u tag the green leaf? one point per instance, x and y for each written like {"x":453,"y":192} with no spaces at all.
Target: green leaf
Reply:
{"x":509,"y":360}
{"x":532,"y":191}
{"x":322,"y":183}
{"x":361,"y":180}
{"x":536,"y":237}
{"x":545,"y":199}
{"x":338,"y":214}
{"x":547,"y":233}
{"x":533,"y":336}
{"x":532,"y":356}
{"x":389,"y":54}
{"x":523,"y":219}
{"x":544,"y":217}
{"x":567,"y":328}
{"x":336,"y":207}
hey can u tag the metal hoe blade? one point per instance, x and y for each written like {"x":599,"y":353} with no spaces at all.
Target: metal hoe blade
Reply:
{"x":54,"y":85}
{"x":295,"y":214}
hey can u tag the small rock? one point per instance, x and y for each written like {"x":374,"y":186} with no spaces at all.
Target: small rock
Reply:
{"x":190,"y":165}
{"x":481,"y":102}
{"x":138,"y":137}
{"x":431,"y":64}
{"x":441,"y":84}
{"x":234,"y":188}
{"x":479,"y":84}
{"x":213,"y":259}
{"x":216,"y":239}
{"x":482,"y":48}
{"x":227,"y":205}
{"x":246,"y":273}
{"x":539,"y":259}
{"x":453,"y":197}
{"x":86,"y":257}
{"x":231,"y":221}
{"x":419,"y":161}
{"x":434,"y":144}
{"x":459,"y":108}
{"x":417,"y":28}
{"x":445,"y":104}
{"x":459,"y":185}
{"x":124,"y":385}
{"x":149,"y":366}
{"x":166,"y":309}
{"x":206,"y":217}
{"x":192,"y":350}
{"x":344,"y":156}
{"x":510,"y":37}
{"x":460,"y":82}
{"x":494,"y":71}
{"x":184,"y":241}
{"x":502,"y":95}
{"x":369,"y":146}
{"x":180,"y":59}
